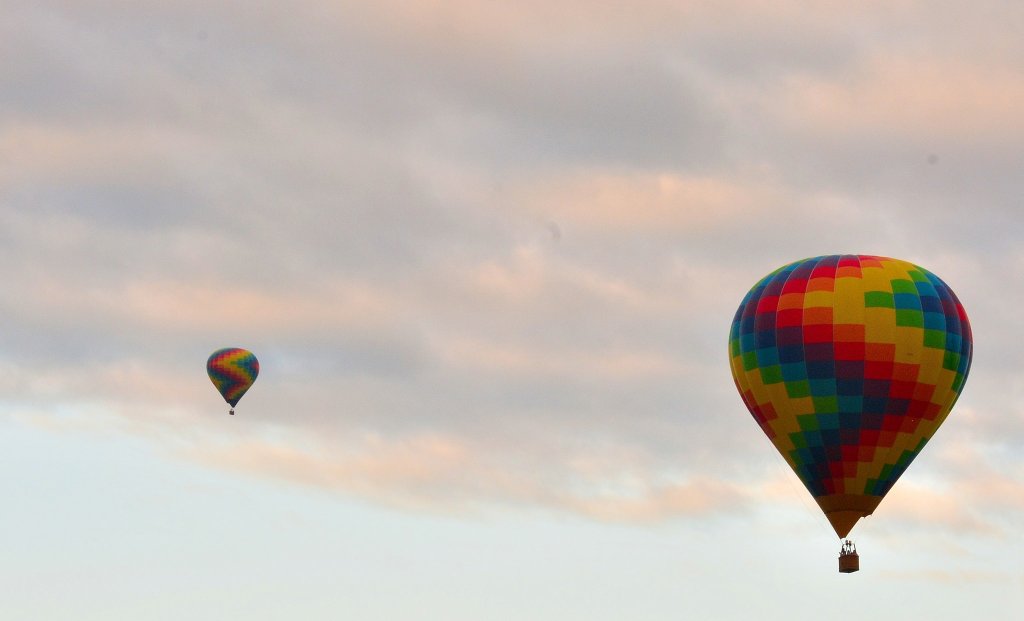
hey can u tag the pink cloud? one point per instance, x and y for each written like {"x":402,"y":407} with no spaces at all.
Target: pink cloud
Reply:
{"x":921,"y":97}
{"x":666,"y":202}
{"x":447,"y":474}
{"x":607,"y":364}
{"x":178,"y":306}
{"x":945,"y":509}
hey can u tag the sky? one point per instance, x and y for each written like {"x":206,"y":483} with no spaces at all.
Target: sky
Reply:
{"x":487,"y":254}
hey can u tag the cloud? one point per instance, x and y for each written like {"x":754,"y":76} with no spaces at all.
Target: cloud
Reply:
{"x":920,"y":506}
{"x":926,"y":100}
{"x":672,"y":204}
{"x":559,"y":363}
{"x":365,"y":193}
{"x":960,"y":486}
{"x":444,"y":474}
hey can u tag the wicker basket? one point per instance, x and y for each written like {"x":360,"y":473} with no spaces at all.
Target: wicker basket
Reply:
{"x":849,"y":563}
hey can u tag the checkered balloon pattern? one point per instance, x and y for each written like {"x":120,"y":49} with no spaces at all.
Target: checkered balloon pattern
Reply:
{"x":232,"y":370}
{"x":849,"y":363}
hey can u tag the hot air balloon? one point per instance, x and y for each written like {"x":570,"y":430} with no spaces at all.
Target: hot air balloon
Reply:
{"x":849,"y":363}
{"x":232,"y":371}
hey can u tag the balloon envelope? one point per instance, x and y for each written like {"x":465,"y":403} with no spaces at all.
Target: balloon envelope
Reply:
{"x":849,"y":363}
{"x":232,"y":370}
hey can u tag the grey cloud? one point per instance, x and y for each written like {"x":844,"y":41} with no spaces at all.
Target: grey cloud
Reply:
{"x":356,"y":200}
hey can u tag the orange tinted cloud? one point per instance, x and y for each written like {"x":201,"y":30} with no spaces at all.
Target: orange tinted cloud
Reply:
{"x":446,"y":474}
{"x":666,"y":202}
{"x":920,"y":97}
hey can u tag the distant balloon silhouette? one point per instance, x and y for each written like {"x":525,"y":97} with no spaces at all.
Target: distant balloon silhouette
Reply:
{"x":849,"y":363}
{"x":232,"y":371}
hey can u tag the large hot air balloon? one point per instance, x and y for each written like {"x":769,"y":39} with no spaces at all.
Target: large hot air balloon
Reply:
{"x":849,"y":363}
{"x":232,"y":370}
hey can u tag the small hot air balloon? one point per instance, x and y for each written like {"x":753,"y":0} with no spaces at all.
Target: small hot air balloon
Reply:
{"x":849,"y":363}
{"x":232,"y":371}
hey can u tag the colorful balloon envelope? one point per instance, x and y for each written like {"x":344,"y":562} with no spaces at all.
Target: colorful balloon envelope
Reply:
{"x":849,"y":363}
{"x":232,"y":370}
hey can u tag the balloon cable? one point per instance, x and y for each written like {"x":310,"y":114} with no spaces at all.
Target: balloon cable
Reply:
{"x":813,"y":511}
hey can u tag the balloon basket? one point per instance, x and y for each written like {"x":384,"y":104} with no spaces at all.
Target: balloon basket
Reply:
{"x":231,"y":411}
{"x":849,"y":560}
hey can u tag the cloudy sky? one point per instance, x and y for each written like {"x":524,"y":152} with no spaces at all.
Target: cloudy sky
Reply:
{"x":487,"y":254}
